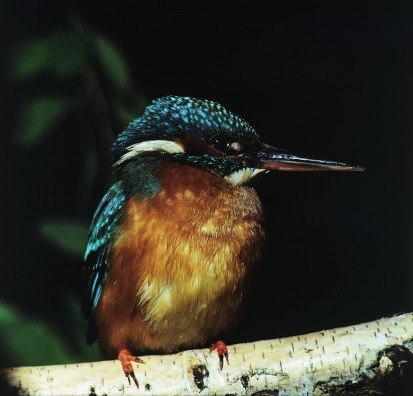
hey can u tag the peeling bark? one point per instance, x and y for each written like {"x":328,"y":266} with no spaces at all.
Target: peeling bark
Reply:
{"x":365,"y":359}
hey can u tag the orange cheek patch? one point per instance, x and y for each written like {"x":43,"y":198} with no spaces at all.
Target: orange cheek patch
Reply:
{"x":195,"y":146}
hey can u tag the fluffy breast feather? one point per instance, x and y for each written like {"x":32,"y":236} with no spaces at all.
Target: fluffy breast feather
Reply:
{"x":185,"y":255}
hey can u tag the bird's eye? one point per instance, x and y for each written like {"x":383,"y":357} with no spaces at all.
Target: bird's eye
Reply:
{"x":229,"y":147}
{"x":235,"y":146}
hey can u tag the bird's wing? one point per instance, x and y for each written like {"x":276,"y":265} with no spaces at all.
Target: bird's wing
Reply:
{"x":102,"y":230}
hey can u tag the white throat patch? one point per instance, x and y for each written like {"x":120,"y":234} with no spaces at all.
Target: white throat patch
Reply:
{"x":243,"y":176}
{"x":163,"y":146}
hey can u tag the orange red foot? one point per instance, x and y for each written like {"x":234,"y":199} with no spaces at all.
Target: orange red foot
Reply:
{"x":126,"y":358}
{"x":222,"y":351}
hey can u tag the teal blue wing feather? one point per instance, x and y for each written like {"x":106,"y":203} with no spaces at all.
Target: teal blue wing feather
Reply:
{"x":104,"y":226}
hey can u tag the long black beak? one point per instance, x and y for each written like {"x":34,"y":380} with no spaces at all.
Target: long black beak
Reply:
{"x":276,"y":159}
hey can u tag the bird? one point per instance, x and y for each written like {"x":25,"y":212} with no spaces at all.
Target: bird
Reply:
{"x":176,"y":238}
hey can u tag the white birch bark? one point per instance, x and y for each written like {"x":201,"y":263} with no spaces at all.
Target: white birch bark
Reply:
{"x":330,"y":362}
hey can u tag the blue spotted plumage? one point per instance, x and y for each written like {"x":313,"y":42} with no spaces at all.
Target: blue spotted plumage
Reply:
{"x":102,"y":230}
{"x":168,"y":116}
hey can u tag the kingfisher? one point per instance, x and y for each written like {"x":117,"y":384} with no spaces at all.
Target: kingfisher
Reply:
{"x":173,"y":242}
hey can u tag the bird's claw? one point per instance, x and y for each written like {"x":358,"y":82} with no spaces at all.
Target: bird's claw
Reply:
{"x":132,"y":375}
{"x":222,"y":351}
{"x":126,"y":358}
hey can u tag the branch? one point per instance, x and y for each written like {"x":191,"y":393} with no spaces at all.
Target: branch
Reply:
{"x":345,"y":361}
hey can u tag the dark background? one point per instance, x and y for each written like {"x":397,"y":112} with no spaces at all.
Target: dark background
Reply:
{"x":329,"y":78}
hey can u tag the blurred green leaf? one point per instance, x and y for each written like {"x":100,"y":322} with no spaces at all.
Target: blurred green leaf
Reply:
{"x":126,"y":114}
{"x":62,"y":53}
{"x":113,"y":63}
{"x":27,"y":341}
{"x":40,"y":116}
{"x":32,"y":341}
{"x":128,"y":107}
{"x":70,"y":236}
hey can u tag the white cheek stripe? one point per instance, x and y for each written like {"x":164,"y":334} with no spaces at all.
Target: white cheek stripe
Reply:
{"x":243,"y":176}
{"x":163,"y":146}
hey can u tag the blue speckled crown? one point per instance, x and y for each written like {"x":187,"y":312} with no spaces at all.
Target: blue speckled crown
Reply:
{"x":169,"y":115}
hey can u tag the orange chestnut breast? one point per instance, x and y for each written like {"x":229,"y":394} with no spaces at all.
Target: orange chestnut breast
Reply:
{"x":180,"y":260}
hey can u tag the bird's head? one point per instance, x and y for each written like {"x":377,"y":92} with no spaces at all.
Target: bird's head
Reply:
{"x":204,"y":134}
